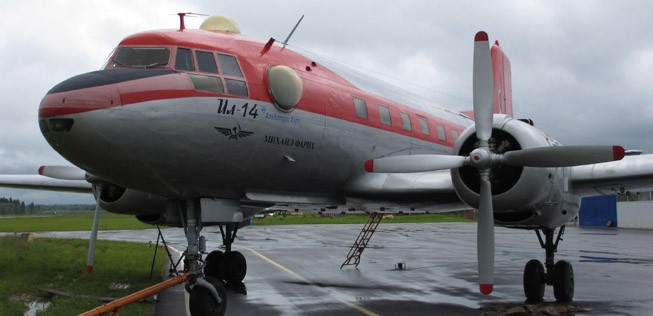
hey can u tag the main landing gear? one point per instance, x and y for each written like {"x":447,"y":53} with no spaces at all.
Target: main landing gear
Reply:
{"x":206,"y":286}
{"x":560,"y":274}
{"x":229,"y":266}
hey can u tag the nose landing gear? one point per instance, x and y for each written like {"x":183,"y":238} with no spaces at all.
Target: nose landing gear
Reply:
{"x":207,"y":293}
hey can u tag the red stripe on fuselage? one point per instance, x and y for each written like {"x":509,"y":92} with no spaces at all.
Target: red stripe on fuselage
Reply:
{"x":145,"y":96}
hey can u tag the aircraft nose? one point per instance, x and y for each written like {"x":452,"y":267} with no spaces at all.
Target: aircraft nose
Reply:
{"x":76,"y":95}
{"x":91,"y":91}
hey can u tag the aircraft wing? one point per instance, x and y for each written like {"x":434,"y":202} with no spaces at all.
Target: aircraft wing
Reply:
{"x":424,"y":191}
{"x":436,"y":182}
{"x":632,"y":173}
{"x":38,"y":182}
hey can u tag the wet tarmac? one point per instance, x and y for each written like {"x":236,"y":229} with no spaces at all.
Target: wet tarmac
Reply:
{"x":295,"y":270}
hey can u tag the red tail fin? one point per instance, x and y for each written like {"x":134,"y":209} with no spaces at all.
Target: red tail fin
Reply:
{"x":502,"y":82}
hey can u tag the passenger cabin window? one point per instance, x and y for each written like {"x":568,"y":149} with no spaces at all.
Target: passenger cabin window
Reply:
{"x":384,"y":112}
{"x":361,"y":107}
{"x":184,"y":60}
{"x":424,"y":127}
{"x":206,"y":62}
{"x":229,"y":66}
{"x":141,"y":57}
{"x":405,"y":121}
{"x":454,"y":133}
{"x":441,"y":134}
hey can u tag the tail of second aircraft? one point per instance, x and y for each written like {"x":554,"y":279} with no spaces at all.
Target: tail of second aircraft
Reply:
{"x":502,"y":83}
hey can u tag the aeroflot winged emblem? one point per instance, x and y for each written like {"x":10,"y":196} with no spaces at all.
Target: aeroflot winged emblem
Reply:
{"x":233,"y":133}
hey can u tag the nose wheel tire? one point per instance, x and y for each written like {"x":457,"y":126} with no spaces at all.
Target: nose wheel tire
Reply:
{"x":534,"y":280}
{"x":202,"y":301}
{"x":563,"y":281}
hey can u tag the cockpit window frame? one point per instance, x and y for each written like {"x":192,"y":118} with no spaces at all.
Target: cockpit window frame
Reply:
{"x":229,"y":65}
{"x":188,"y":63}
{"x":229,"y":84}
{"x":206,"y":61}
{"x":160,"y":62}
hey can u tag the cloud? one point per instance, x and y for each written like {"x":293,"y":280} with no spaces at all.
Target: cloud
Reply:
{"x":581,"y":69}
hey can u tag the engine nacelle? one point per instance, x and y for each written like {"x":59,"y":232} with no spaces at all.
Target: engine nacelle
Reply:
{"x":520,"y":195}
{"x":120,"y":200}
{"x":168,"y":217}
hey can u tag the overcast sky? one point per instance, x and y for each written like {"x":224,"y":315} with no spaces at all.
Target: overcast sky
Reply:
{"x":582,"y":70}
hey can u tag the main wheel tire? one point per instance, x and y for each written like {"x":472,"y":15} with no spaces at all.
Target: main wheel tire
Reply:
{"x":534,"y":280}
{"x":563,"y":281}
{"x":202,"y":302}
{"x":213,"y":262}
{"x":234,"y":267}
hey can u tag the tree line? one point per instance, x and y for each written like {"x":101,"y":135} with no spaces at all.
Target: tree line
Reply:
{"x":11,"y":206}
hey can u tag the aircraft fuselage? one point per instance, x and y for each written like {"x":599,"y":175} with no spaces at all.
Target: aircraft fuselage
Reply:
{"x":177,"y":128}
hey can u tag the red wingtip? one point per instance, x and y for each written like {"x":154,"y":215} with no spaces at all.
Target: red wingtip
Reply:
{"x":486,"y":289}
{"x":480,"y":36}
{"x":618,"y":152}
{"x":89,"y":269}
{"x":41,"y":170}
{"x":369,"y":165}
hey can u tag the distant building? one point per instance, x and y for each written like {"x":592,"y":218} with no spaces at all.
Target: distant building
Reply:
{"x":628,"y":210}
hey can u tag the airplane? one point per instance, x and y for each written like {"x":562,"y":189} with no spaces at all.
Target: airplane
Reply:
{"x":207,"y":127}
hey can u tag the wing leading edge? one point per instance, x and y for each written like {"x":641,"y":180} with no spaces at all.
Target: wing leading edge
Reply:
{"x":38,"y":182}
{"x":629,"y":174}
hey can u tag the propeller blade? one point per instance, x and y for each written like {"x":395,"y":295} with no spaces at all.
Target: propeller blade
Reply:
{"x":413,"y":163}
{"x":485,"y":236}
{"x":483,"y":86}
{"x":563,"y":156}
{"x":63,"y":172}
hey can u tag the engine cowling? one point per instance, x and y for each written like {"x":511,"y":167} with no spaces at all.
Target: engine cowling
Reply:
{"x":117,"y":199}
{"x":520,"y":195}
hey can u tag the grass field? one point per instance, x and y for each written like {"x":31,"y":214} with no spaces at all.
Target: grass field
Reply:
{"x":28,"y":267}
{"x":70,"y":222}
{"x":110,"y":221}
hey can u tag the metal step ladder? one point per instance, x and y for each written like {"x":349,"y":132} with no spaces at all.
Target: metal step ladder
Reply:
{"x":354,"y":255}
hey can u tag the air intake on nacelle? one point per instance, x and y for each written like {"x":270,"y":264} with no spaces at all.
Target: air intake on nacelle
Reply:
{"x":219,"y":23}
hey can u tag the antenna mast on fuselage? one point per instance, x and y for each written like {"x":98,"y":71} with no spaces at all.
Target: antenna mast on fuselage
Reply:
{"x":285,"y":42}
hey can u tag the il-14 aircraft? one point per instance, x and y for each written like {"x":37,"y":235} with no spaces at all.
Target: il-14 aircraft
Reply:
{"x":195,"y":128}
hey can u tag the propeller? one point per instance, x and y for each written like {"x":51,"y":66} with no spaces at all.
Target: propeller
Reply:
{"x":483,"y":159}
{"x":563,"y":156}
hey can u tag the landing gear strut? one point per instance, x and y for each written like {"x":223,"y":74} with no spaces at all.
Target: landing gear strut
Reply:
{"x":207,"y":294}
{"x":560,"y":274}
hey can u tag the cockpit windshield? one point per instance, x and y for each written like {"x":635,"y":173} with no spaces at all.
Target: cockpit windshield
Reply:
{"x":141,"y":57}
